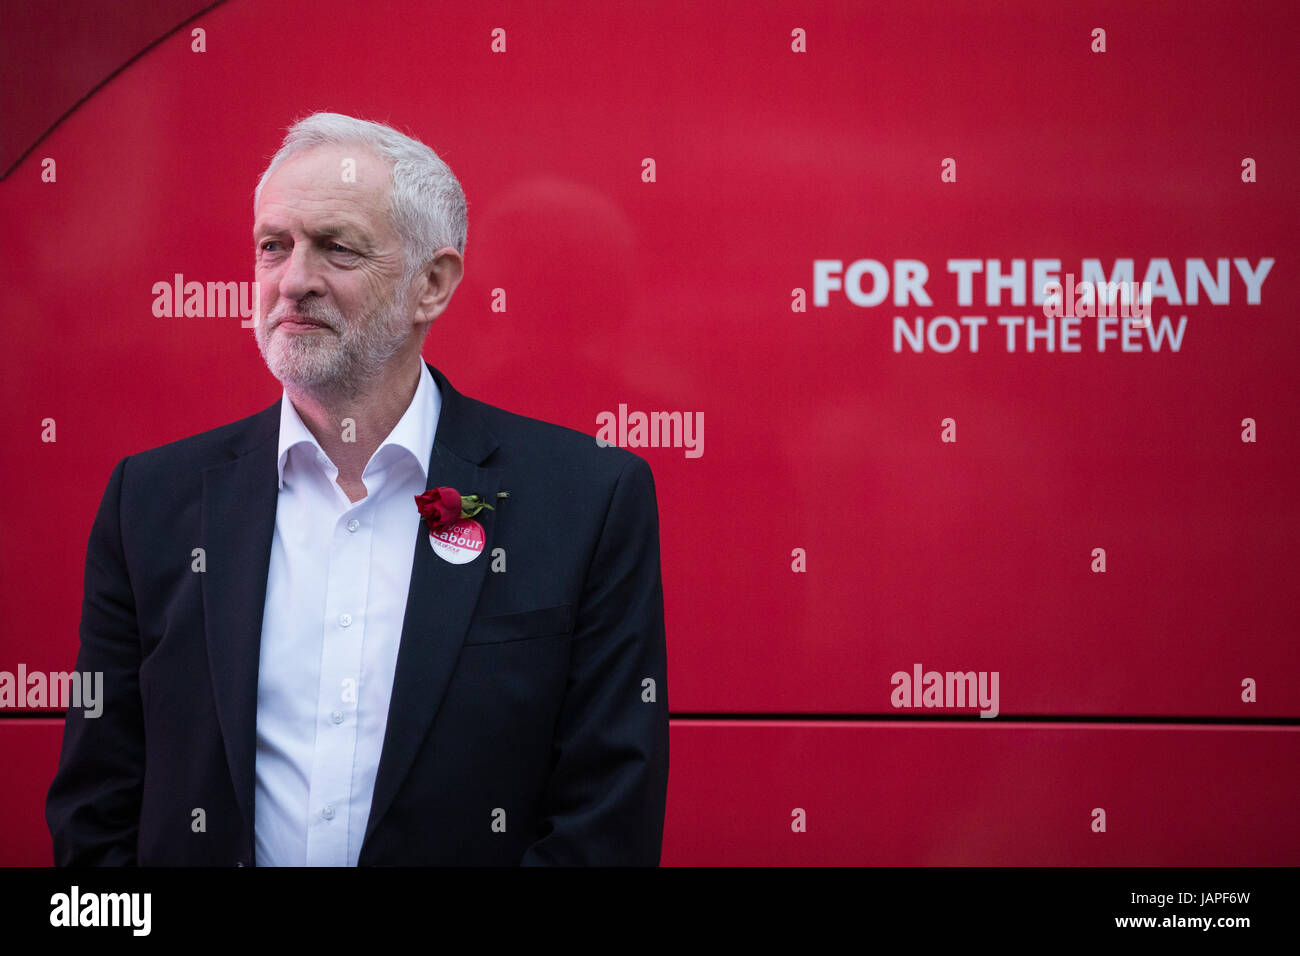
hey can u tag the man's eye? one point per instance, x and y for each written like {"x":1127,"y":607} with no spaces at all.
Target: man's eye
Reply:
{"x":340,"y":248}
{"x":268,"y":242}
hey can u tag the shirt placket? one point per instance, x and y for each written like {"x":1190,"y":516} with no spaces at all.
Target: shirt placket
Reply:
{"x":331,"y":799}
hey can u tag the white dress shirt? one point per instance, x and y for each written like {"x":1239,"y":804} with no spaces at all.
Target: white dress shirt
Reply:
{"x":335,"y":602}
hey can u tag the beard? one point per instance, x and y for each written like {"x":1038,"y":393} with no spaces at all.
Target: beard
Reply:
{"x":341,"y":361}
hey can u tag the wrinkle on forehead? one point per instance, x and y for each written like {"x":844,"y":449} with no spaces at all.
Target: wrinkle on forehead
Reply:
{"x":312,"y":183}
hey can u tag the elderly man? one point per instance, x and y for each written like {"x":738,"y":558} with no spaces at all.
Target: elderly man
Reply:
{"x":379,"y":622}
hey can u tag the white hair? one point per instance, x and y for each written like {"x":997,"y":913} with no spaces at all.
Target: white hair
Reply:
{"x":426,"y":206}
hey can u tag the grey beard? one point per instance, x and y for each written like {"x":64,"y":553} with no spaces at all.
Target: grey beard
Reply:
{"x":342,"y":365}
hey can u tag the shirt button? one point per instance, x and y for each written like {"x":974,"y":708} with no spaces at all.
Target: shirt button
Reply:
{"x":328,"y":813}
{"x":337,"y":716}
{"x":354,"y":524}
{"x":345,"y":620}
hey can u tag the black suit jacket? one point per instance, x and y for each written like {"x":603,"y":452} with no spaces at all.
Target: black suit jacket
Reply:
{"x":525,"y":690}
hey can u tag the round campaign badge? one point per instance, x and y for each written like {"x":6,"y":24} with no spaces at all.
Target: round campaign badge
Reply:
{"x":459,"y":542}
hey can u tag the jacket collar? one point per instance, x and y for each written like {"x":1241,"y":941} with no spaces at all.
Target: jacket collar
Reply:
{"x":461,"y":428}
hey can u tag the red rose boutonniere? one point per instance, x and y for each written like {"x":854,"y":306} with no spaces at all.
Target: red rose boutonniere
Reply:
{"x":453,"y":533}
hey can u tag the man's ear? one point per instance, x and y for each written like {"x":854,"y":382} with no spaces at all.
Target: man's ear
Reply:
{"x":436,"y":283}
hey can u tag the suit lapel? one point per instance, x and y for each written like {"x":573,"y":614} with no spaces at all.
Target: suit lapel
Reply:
{"x":239,"y":498}
{"x":441,"y":598}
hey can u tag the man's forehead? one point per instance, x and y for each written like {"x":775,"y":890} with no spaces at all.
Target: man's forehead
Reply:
{"x":325,"y":183}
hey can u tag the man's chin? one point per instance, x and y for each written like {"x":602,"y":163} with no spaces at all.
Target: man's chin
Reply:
{"x":296,"y":378}
{"x":291,"y":372}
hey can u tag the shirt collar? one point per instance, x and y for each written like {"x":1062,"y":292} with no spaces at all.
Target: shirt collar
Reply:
{"x":413,"y":432}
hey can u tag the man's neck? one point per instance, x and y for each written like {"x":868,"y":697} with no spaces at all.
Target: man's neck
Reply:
{"x":375,"y":412}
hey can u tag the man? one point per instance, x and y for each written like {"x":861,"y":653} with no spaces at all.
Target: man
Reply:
{"x":297,"y":670}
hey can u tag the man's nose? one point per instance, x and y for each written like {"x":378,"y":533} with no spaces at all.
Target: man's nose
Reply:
{"x":301,"y":275}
